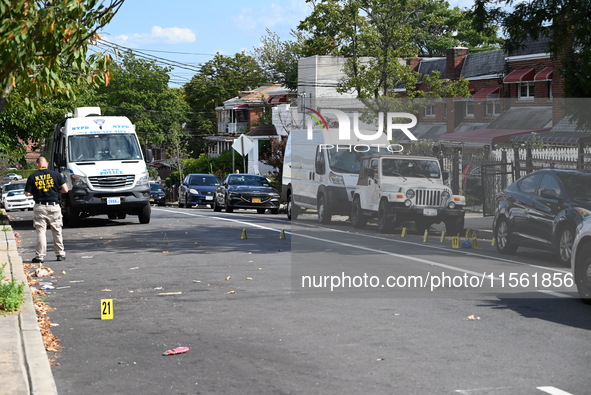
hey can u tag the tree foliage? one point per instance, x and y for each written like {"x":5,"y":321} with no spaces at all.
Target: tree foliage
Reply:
{"x":139,"y":90}
{"x":377,"y":36}
{"x":42,"y":40}
{"x":218,"y":80}
{"x":279,"y":58}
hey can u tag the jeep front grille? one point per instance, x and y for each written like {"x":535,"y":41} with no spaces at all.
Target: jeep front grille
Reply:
{"x":111,"y":182}
{"x":428,"y":197}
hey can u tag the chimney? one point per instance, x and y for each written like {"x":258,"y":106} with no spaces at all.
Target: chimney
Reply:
{"x":414,"y":63}
{"x":455,"y":61}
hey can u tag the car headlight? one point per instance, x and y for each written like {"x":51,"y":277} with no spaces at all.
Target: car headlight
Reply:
{"x":79,"y":181}
{"x":583,"y":212}
{"x":445,"y":195}
{"x":336,"y":179}
{"x":193,"y":191}
{"x":410,"y":194}
{"x":274,"y":195}
{"x":143,"y":179}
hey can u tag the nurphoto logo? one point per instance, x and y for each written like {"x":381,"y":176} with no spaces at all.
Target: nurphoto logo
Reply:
{"x":345,"y":126}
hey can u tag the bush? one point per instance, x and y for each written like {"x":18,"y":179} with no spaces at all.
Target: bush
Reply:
{"x":11,"y":293}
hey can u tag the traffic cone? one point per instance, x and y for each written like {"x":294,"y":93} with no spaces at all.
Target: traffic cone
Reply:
{"x":282,"y":234}
{"x":403,"y":234}
{"x":442,"y":237}
{"x":426,"y":236}
{"x":243,"y":235}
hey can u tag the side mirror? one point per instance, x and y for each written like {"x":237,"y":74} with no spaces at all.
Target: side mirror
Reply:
{"x":149,"y":156}
{"x":549,"y":194}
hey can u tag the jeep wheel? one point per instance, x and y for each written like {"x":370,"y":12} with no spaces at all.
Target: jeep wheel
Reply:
{"x":324,"y":215}
{"x":384,"y":220}
{"x":583,"y":273}
{"x":358,"y":220}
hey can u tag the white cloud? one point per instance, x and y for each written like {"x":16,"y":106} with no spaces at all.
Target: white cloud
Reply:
{"x":158,"y":35}
{"x":276,"y":16}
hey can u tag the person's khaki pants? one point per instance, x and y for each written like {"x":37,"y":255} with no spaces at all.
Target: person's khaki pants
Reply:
{"x":42,"y":217}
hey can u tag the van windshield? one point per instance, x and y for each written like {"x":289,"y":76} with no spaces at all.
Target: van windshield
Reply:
{"x":411,"y":168}
{"x":96,"y":147}
{"x":344,"y":159}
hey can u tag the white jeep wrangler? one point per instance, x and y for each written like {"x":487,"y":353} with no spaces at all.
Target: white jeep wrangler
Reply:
{"x":396,"y":188}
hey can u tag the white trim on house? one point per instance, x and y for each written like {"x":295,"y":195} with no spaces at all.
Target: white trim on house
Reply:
{"x":527,"y":57}
{"x":485,"y":77}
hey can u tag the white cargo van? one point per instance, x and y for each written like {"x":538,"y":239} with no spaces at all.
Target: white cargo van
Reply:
{"x":103,"y":164}
{"x":320,"y":171}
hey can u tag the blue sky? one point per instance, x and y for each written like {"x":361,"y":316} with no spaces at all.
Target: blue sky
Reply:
{"x":191,"y":31}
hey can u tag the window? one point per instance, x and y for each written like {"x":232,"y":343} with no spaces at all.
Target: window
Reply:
{"x":526,"y":90}
{"x":530,"y":184}
{"x":549,"y":182}
{"x":469,"y":109}
{"x":430,"y":110}
{"x":493,"y":108}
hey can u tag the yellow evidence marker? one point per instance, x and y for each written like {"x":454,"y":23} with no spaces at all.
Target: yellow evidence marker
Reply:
{"x":107,"y":309}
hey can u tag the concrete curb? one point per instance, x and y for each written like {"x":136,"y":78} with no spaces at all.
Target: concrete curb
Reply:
{"x":35,"y":359}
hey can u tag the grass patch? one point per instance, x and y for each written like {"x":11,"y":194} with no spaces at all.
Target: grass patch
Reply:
{"x":11,"y":293}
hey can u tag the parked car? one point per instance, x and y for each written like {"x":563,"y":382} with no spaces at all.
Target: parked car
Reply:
{"x":12,"y":186}
{"x":157,"y":195}
{"x":17,"y":200}
{"x":246,"y":191}
{"x":13,"y":177}
{"x":581,"y":260}
{"x":197,"y":189}
{"x":543,"y":210}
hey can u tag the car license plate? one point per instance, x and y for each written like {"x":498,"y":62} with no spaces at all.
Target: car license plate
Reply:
{"x":256,"y":200}
{"x":209,"y":198}
{"x":113,"y":201}
{"x":430,"y":212}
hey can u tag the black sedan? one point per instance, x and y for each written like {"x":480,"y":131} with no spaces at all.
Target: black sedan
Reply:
{"x":542,"y":210}
{"x":157,"y":194}
{"x":246,"y":191}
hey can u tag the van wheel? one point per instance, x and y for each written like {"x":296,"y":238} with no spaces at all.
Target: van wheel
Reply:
{"x":144,"y":214}
{"x":358,"y":220}
{"x":71,"y":216}
{"x":292,"y":210}
{"x":583,"y":273}
{"x":384,"y":221}
{"x":324,"y":215}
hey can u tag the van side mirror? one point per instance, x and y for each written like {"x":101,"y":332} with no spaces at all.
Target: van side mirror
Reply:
{"x":148,"y":155}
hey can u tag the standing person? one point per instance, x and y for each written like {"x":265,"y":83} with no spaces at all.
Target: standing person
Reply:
{"x":45,"y":186}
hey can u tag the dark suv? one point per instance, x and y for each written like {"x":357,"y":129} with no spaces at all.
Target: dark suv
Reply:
{"x":542,"y":210}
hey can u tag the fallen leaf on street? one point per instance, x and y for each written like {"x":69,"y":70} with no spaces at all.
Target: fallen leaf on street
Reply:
{"x":249,"y":278}
{"x":228,"y":278}
{"x":231,"y":292}
{"x":472,"y":318}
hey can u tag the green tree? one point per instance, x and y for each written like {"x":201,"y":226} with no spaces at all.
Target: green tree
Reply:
{"x":376,"y":36}
{"x":279,"y":58}
{"x":139,"y":90}
{"x":218,"y":80}
{"x":42,"y":40}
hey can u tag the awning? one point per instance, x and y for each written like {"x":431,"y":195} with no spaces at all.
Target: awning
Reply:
{"x":487,"y":93}
{"x":545,"y":75}
{"x":277,"y":99}
{"x":565,"y":139}
{"x":520,"y":75}
{"x":483,"y":136}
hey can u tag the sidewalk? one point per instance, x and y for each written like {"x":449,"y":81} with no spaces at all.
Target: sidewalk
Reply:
{"x":24,"y":364}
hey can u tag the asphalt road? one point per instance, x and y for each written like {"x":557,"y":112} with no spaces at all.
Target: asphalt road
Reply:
{"x":255,"y":326}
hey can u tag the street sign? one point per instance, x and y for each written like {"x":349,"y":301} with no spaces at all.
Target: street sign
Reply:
{"x":243,"y":145}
